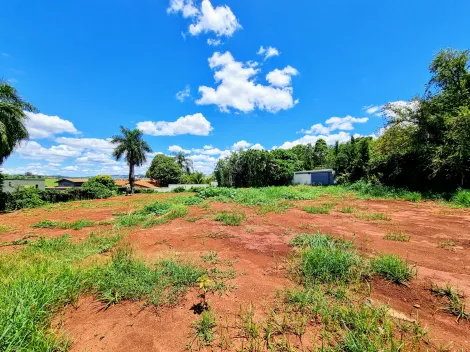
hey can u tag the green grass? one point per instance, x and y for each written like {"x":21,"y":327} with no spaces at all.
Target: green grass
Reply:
{"x":45,"y":224}
{"x":6,"y":228}
{"x":397,"y":236}
{"x":230,"y":218}
{"x":456,"y":305}
{"x":447,"y":244}
{"x":347,"y":210}
{"x":373,"y":216}
{"x":37,"y":282}
{"x":51,"y":182}
{"x":204,"y":329}
{"x":154,"y":214}
{"x":74,"y":225}
{"x":322,"y":259}
{"x":322,"y":209}
{"x":462,"y":198}
{"x":127,"y":278}
{"x":393,"y":268}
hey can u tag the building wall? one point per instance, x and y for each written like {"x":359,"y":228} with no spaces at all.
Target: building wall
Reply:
{"x":11,"y":185}
{"x":302,"y":179}
{"x":313,"y":178}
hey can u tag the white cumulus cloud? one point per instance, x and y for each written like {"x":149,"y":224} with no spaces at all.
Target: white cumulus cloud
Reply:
{"x":57,"y":153}
{"x":237,"y":88}
{"x":257,"y":146}
{"x":336,"y":123}
{"x":240,"y":145}
{"x":281,"y":78}
{"x":267,"y":53}
{"x":177,"y":149}
{"x":220,"y":20}
{"x":195,"y":124}
{"x":45,"y":126}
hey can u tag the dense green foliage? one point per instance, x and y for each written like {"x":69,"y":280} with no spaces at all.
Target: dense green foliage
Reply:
{"x":102,"y":186}
{"x":425,"y":144}
{"x":131,"y":146}
{"x":12,"y":119}
{"x":33,"y":197}
{"x":164,"y":169}
{"x":105,"y":180}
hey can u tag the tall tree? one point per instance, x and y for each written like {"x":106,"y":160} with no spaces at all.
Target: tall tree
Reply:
{"x":321,"y":152}
{"x":131,"y":145}
{"x":184,"y":162}
{"x":12,"y":119}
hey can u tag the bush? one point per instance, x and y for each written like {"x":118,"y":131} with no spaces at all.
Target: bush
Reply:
{"x":98,"y":189}
{"x":462,"y":197}
{"x":105,"y":180}
{"x":23,"y":198}
{"x":179,"y":189}
{"x":393,"y":268}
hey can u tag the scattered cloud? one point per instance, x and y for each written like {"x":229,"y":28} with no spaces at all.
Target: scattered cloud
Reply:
{"x":177,"y":149}
{"x":219,"y":20}
{"x":195,"y":124}
{"x":373,"y":109}
{"x":281,"y":78}
{"x":329,"y":138}
{"x":267,"y":53}
{"x":257,"y":146}
{"x":56,"y":153}
{"x":335,"y":123}
{"x":5,"y":55}
{"x":45,"y":126}
{"x":186,"y":7}
{"x":237,"y":88}
{"x":70,"y":168}
{"x":214,"y":42}
{"x":183,"y":94}
{"x":96,"y":157}
{"x":96,"y":144}
{"x":241,"y":145}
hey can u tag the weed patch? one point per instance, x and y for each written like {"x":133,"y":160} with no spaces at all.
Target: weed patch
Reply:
{"x":127,"y":278}
{"x":456,"y":305}
{"x":373,"y":216}
{"x":393,"y":268}
{"x":323,"y":209}
{"x":231,"y":219}
{"x":397,"y":236}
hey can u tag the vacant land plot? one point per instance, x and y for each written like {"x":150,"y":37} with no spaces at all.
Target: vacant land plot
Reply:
{"x":278,"y":269}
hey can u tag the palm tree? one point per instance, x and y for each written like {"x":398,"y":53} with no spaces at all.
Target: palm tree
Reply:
{"x":184,"y":162}
{"x":12,"y":119}
{"x":134,"y":147}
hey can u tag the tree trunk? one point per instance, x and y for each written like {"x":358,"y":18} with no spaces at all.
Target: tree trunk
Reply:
{"x":131,"y":177}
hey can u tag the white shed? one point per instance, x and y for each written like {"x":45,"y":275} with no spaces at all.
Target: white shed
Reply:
{"x":314,"y":177}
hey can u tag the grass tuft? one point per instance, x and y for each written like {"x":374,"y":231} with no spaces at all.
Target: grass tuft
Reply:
{"x":393,"y":268}
{"x":204,"y":329}
{"x":323,"y":209}
{"x":322,"y":259}
{"x":397,"y":236}
{"x":456,"y":300}
{"x":373,"y":216}
{"x":230,"y":219}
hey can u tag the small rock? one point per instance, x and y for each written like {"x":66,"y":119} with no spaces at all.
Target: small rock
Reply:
{"x":416,"y":305}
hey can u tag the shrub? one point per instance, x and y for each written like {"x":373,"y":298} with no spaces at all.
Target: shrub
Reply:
{"x":105,"y":180}
{"x":179,"y":189}
{"x":462,"y":197}
{"x":98,"y":189}
{"x":23,"y":198}
{"x":393,"y":268}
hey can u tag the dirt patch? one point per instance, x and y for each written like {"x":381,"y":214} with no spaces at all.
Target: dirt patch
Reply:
{"x":257,"y":250}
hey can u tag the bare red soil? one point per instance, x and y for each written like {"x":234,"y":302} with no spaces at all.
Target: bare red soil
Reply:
{"x":439,"y":248}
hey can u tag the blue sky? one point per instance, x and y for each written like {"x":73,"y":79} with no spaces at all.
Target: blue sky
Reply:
{"x":209,"y":76}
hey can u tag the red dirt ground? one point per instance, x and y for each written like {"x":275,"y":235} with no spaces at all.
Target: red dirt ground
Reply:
{"x":258,"y":249}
